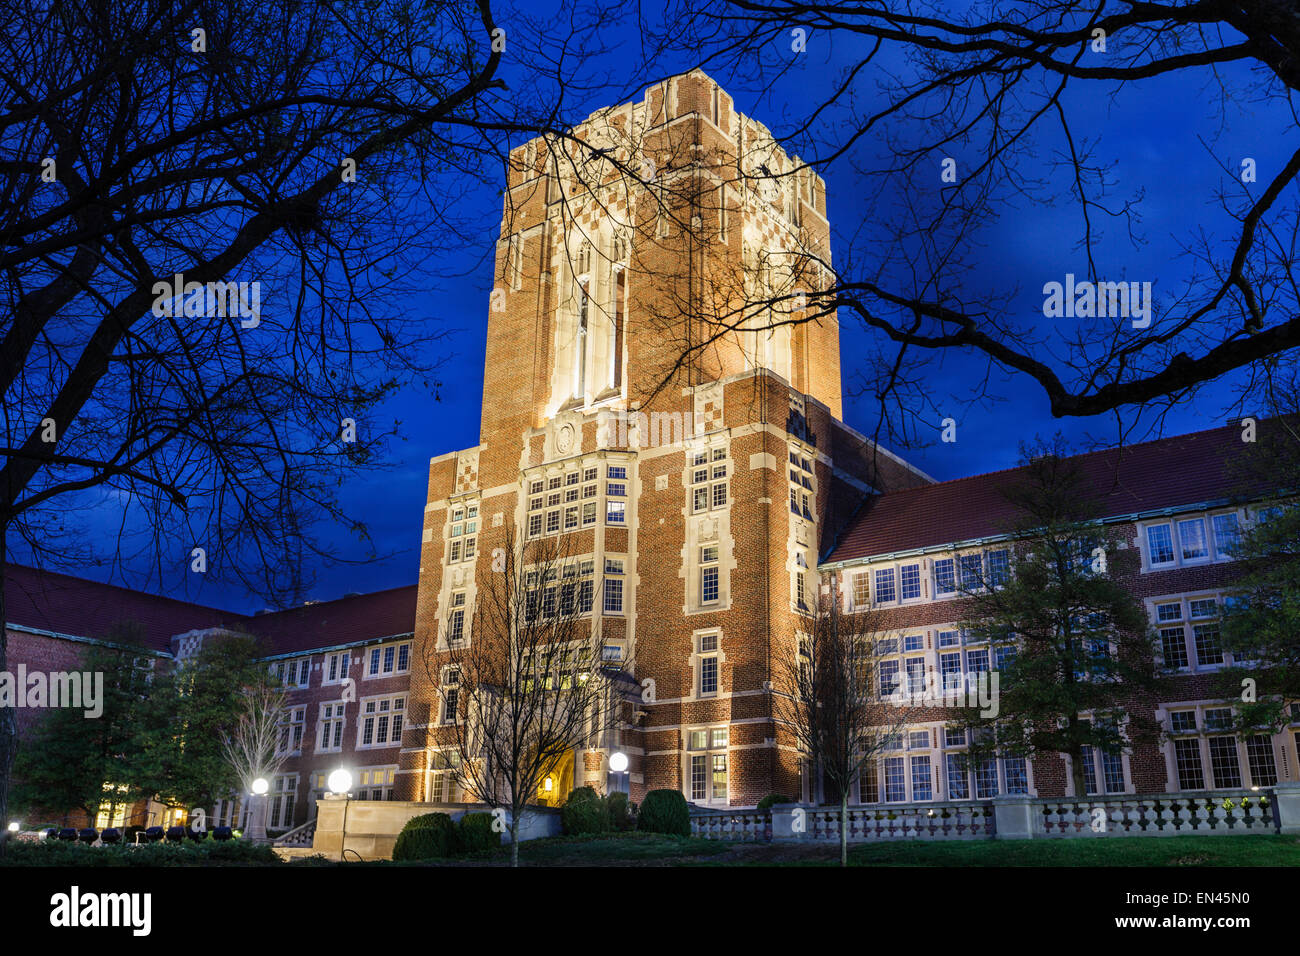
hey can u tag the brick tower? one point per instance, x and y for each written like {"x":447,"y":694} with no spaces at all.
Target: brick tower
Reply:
{"x":687,"y":443}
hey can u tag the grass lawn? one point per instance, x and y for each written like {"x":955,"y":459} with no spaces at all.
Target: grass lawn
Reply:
{"x":648,"y":849}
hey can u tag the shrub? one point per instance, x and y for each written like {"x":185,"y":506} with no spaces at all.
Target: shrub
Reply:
{"x":475,"y":833}
{"x":620,"y":811}
{"x":584,"y":812}
{"x":664,"y":811}
{"x":773,"y":798}
{"x":426,"y":837}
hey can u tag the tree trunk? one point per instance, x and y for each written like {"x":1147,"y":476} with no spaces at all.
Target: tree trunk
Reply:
{"x":844,"y":827}
{"x":1076,"y":772}
{"x":8,"y":715}
{"x":514,"y":838}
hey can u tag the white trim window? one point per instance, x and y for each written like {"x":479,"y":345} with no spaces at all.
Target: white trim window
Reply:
{"x":381,"y":722}
{"x":1205,"y":752}
{"x":376,"y":783}
{"x":294,"y":673}
{"x":455,"y":635}
{"x":707,"y":765}
{"x":1189,"y":540}
{"x":293,"y":721}
{"x":329,"y":738}
{"x":280,"y":802}
{"x":389,"y":659}
{"x":616,"y":495}
{"x":708,"y":473}
{"x":803,"y":488}
{"x":449,"y":690}
{"x":708,"y":664}
{"x":1189,"y":632}
{"x":613,"y":596}
{"x":335,"y":668}
{"x":463,"y":535}
{"x":710,"y":574}
{"x":923,"y":764}
{"x":442,"y":776}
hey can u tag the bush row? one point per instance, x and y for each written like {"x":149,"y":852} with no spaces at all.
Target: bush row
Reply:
{"x":432,"y":836}
{"x":203,"y":853}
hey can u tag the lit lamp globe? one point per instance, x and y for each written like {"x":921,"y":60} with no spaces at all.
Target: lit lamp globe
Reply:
{"x":340,"y":782}
{"x":13,"y":826}
{"x":618,"y":762}
{"x":260,"y":786}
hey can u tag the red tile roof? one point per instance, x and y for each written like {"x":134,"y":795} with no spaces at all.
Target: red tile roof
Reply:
{"x":1151,"y":476}
{"x":361,"y":617}
{"x":49,"y":601}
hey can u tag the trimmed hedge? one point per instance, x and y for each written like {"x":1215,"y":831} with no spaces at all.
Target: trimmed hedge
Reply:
{"x":773,"y":798}
{"x":426,"y":837}
{"x":475,"y":833}
{"x":584,"y":812}
{"x":206,"y":853}
{"x":664,"y":811}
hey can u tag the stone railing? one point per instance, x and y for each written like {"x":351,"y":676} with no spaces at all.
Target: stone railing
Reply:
{"x":1228,"y":811}
{"x":732,"y":825}
{"x":1224,"y":812}
{"x":930,"y":821}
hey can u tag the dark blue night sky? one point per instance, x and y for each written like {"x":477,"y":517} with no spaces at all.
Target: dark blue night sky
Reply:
{"x":1154,"y":135}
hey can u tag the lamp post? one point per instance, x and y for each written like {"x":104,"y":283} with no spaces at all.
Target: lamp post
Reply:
{"x":340,"y":784}
{"x":618,"y":764}
{"x":257,"y":813}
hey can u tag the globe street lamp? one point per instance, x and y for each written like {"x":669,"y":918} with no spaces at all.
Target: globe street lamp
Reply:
{"x":257,"y":814}
{"x":340,"y":783}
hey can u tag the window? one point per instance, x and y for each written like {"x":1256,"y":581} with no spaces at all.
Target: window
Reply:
{"x":1259,"y":758}
{"x":1187,"y":758}
{"x":971,"y":574}
{"x":1192,"y":538}
{"x":375,"y":783}
{"x":802,"y":491}
{"x":562,"y":503}
{"x":292,"y":722}
{"x":381,"y":721}
{"x":613,"y":586}
{"x":456,"y":619}
{"x":708,"y":664}
{"x":442,"y":776}
{"x":909,"y":582}
{"x":707,"y":757}
{"x":999,"y":567}
{"x":895,"y":783}
{"x":463,"y":533}
{"x":336,"y":667}
{"x":450,"y":694}
{"x":889,"y":678}
{"x":1226,"y":535}
{"x":1209,"y":649}
{"x":800,"y":591}
{"x":885,"y":592}
{"x":615,"y":495}
{"x":1173,"y":646}
{"x":958,"y":778}
{"x":861,"y":590}
{"x":945,"y":581}
{"x":921,"y":780}
{"x":384,"y":660}
{"x":296,"y":673}
{"x":1160,"y":546}
{"x":280,"y":802}
{"x":709,"y":574}
{"x":1225,"y":765}
{"x":330,"y":734}
{"x":708,"y":479}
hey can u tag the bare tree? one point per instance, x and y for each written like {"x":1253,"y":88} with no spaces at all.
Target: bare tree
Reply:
{"x":254,"y":748}
{"x":213,"y":216}
{"x":953,"y":120}
{"x":826,"y":696}
{"x":522,"y":685}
